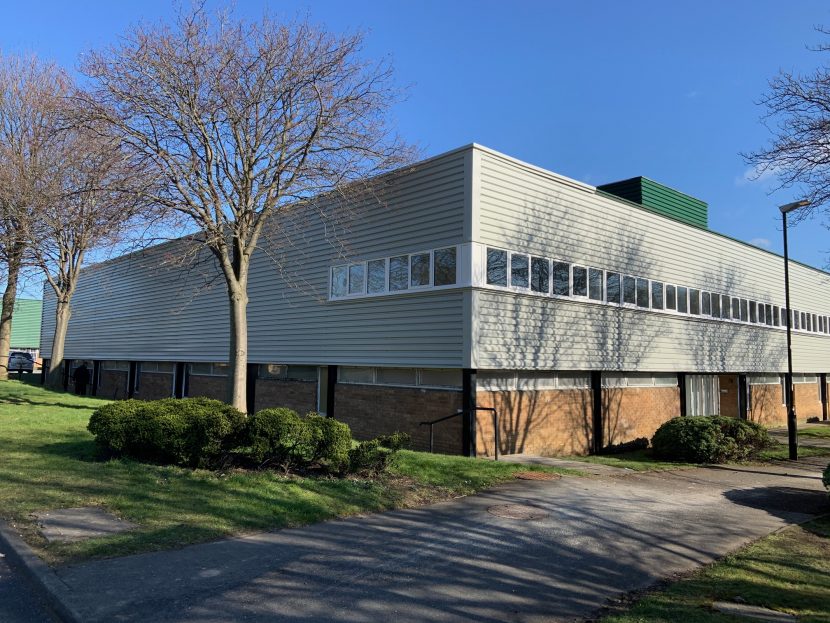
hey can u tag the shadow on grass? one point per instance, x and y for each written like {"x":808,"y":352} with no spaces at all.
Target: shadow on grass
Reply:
{"x":85,"y":450}
{"x":13,"y":400}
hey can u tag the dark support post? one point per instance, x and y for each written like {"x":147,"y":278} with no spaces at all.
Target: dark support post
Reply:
{"x":823,"y":395}
{"x":131,"y":378}
{"x":681,"y":383}
{"x":250,"y":386}
{"x":743,"y":397}
{"x":179,"y":382}
{"x":44,"y":370}
{"x":96,"y":377}
{"x":67,"y":366}
{"x":792,"y":424}
{"x":596,"y":411}
{"x":330,"y":387}
{"x":468,"y":406}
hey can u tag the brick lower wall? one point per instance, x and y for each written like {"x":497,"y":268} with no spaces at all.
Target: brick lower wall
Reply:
{"x":767,"y":403}
{"x":633,"y":412}
{"x":372,"y":410}
{"x":199,"y":385}
{"x":113,"y":384}
{"x":547,"y":422}
{"x":298,"y":395}
{"x":560,"y":422}
{"x":154,"y":385}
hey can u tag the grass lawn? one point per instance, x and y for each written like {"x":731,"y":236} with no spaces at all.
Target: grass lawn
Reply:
{"x":48,"y":460}
{"x":821,"y":432}
{"x":787,"y":571}
{"x":637,"y":460}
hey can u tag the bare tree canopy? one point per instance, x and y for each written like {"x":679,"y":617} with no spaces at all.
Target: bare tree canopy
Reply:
{"x":31,"y":98}
{"x":96,"y":195}
{"x":797,"y":112}
{"x":241,"y":119}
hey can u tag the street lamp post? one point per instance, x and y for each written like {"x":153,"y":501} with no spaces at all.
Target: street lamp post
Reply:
{"x":791,"y":421}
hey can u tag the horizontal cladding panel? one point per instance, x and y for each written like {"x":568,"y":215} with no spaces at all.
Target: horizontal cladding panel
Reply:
{"x":524,"y":210}
{"x":516,"y":331}
{"x":145,"y":307}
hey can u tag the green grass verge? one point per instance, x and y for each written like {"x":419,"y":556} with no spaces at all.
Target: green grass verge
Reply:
{"x":817,"y":432}
{"x":637,"y":460}
{"x":48,"y":460}
{"x":788,"y":571}
{"x":781,"y":452}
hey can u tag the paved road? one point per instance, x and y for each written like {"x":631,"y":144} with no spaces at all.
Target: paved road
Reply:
{"x":457,"y":561}
{"x":18,"y":604}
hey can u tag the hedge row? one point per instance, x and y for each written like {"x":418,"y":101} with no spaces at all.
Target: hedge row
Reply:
{"x":200,"y":432}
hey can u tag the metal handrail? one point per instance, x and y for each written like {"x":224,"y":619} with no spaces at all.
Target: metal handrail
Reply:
{"x":462,"y":412}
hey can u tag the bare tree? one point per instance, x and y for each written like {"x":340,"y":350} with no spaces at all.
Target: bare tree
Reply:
{"x":797,"y":112}
{"x":96,"y":198}
{"x":242,"y":119}
{"x":31,"y":95}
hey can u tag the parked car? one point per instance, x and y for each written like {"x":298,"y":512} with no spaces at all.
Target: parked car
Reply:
{"x":20,"y":361}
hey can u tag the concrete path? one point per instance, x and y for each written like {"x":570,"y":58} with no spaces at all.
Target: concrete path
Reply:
{"x":595,"y":469}
{"x":457,"y":561}
{"x":780,"y":435}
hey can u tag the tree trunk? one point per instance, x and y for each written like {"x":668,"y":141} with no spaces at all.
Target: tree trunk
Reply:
{"x":9,"y":300}
{"x":238,"y":355}
{"x":62,"y":313}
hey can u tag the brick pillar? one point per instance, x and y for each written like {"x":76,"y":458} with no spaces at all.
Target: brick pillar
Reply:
{"x":468,"y":406}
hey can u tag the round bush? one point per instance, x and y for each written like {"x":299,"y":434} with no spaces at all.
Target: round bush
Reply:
{"x":277,"y":436}
{"x":329,"y":441}
{"x":193,"y":432}
{"x":825,"y":478}
{"x":709,"y":439}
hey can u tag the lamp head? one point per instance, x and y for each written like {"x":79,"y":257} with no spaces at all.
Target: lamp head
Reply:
{"x":789,"y":207}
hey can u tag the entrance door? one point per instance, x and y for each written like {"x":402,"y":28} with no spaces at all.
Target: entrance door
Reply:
{"x":702,"y":394}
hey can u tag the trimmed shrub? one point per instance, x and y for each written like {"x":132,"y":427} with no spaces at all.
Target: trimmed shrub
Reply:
{"x":281,"y":437}
{"x":825,"y":477}
{"x":372,"y":457}
{"x":277,"y":436}
{"x":329,"y":442}
{"x":192,"y":432}
{"x":709,"y":439}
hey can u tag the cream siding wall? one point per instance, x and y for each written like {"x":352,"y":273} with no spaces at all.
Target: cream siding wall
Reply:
{"x":523,"y":208}
{"x":137,"y":307}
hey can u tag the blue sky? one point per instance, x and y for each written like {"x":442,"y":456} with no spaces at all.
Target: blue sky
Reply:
{"x":599,"y":91}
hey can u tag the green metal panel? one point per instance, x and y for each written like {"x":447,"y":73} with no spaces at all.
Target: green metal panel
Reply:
{"x":26,"y":323}
{"x":661,"y":199}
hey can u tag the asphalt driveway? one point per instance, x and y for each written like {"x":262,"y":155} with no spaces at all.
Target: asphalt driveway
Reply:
{"x":457,"y":561}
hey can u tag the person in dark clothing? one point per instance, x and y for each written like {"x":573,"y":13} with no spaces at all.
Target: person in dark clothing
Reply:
{"x":81,"y":378}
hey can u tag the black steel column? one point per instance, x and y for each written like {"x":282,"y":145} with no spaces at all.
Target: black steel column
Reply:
{"x":96,"y":377}
{"x":743,"y":397}
{"x":596,"y":412}
{"x":823,"y":395}
{"x":179,"y":382}
{"x":131,"y":378}
{"x":468,"y":406}
{"x":250,"y":386}
{"x":681,"y":384}
{"x":44,"y":370}
{"x":792,"y":425}
{"x":330,"y":388}
{"x":67,"y":367}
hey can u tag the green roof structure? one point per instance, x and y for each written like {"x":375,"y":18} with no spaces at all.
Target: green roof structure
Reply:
{"x":661,"y":199}
{"x":26,"y":324}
